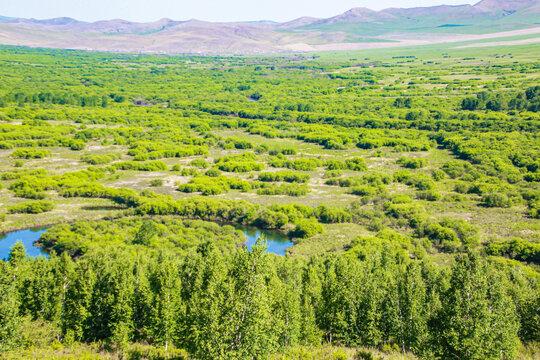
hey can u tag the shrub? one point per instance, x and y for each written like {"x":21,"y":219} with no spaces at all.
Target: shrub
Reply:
{"x":366,"y":190}
{"x":456,"y":168}
{"x":213,"y":172}
{"x":332,"y":174}
{"x":356,"y":164}
{"x":100,"y":159}
{"x":76,"y":145}
{"x":200,"y":163}
{"x":156,"y":182}
{"x":30,"y":153}
{"x":454,"y":198}
{"x":35,"y":207}
{"x":287,"y":176}
{"x":429,"y":195}
{"x":496,"y":200}
{"x":214,"y":185}
{"x":188,"y":172}
{"x":297,"y":164}
{"x":332,"y":215}
{"x":155,"y":165}
{"x":441,"y":236}
{"x":438,"y":175}
{"x":516,"y":248}
{"x":284,"y":189}
{"x":411,"y":163}
{"x":307,"y":228}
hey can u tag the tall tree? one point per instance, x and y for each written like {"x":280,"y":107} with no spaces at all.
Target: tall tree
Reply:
{"x":478,"y":318}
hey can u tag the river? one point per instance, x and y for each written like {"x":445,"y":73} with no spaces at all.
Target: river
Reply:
{"x":27,"y":237}
{"x":276,"y":242}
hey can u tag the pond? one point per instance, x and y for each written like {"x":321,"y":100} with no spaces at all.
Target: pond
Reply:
{"x":27,"y":237}
{"x":276,"y":242}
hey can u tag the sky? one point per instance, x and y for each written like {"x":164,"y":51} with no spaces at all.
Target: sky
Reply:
{"x":209,"y":10}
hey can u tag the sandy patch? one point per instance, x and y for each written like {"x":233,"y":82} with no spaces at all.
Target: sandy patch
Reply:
{"x":502,"y":43}
{"x":418,"y":39}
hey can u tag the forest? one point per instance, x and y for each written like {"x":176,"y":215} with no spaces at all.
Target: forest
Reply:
{"x":406,"y":181}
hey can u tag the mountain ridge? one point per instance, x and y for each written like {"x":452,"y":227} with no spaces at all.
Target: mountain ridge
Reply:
{"x":356,"y":26}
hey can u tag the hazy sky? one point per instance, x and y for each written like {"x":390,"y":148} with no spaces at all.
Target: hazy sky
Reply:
{"x":211,"y":10}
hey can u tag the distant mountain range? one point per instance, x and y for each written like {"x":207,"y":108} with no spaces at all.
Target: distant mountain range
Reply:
{"x":354,"y":29}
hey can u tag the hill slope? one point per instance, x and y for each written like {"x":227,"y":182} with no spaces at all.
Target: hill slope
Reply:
{"x":356,"y":28}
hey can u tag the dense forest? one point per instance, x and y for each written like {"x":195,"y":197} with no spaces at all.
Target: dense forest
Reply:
{"x":409,"y":185}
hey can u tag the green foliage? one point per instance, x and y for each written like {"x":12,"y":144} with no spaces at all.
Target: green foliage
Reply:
{"x":429,"y":195}
{"x":210,"y":185}
{"x":411,"y":163}
{"x":307,"y":228}
{"x":155,"y":165}
{"x":100,"y":159}
{"x":283,"y":189}
{"x":516,"y":248}
{"x":200,"y":163}
{"x":35,"y":207}
{"x":297,"y":164}
{"x":174,"y":234}
{"x":496,"y":200}
{"x":239,"y":163}
{"x":478,"y":318}
{"x":159,"y":270}
{"x":288,"y":176}
{"x":156,"y":182}
{"x":30,"y":153}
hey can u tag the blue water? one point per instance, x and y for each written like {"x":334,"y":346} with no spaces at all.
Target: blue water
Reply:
{"x":27,"y":237}
{"x":276,"y":243}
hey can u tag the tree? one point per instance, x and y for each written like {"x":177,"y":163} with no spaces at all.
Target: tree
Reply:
{"x":77,"y":304}
{"x":9,"y":308}
{"x":17,"y":254}
{"x":478,"y":319}
{"x":166,"y":289}
{"x":146,"y":233}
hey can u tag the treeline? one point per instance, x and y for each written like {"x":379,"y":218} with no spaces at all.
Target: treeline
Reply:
{"x":60,"y":98}
{"x":527,"y":100}
{"x":249,"y":304}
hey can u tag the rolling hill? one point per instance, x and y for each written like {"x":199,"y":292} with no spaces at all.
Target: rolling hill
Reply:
{"x":354,"y":29}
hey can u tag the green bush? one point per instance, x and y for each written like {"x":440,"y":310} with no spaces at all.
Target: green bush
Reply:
{"x":516,"y":248}
{"x":332,"y":174}
{"x":35,"y":207}
{"x":429,"y":195}
{"x":411,"y":163}
{"x":287,"y":176}
{"x":100,"y":159}
{"x":213,"y":172}
{"x":284,"y":189}
{"x":496,"y":200}
{"x":156,"y":182}
{"x":438,"y":175}
{"x":155,"y":165}
{"x":306,"y":228}
{"x":208,"y":185}
{"x":30,"y":153}
{"x":200,"y":163}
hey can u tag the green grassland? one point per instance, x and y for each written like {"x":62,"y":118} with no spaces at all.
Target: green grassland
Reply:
{"x":400,"y":159}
